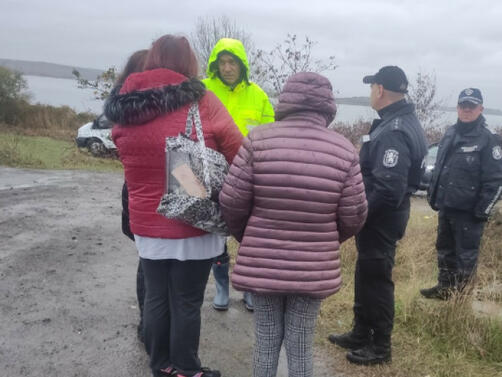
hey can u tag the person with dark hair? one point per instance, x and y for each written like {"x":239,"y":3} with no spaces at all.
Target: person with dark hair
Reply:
{"x":293,"y":194}
{"x":134,"y":64}
{"x":249,"y":106}
{"x":465,"y":186}
{"x":392,"y":158}
{"x":176,"y":258}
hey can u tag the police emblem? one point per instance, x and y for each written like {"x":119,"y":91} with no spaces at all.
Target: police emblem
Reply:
{"x":497,"y":152}
{"x":390,"y":158}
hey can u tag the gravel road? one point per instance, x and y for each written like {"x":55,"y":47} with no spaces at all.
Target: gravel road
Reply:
{"x":67,"y":285}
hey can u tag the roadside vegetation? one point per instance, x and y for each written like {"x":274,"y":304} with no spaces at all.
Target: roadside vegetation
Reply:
{"x":460,"y":337}
{"x":41,"y":136}
{"x":41,"y":152}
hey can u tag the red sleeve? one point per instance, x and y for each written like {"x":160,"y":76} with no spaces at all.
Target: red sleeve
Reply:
{"x":227,"y":135}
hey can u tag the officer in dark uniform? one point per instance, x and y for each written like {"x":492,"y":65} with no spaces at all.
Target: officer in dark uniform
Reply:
{"x":391,"y":160}
{"x":466,"y":184}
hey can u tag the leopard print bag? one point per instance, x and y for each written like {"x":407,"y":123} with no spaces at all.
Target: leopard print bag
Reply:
{"x":194,"y":178}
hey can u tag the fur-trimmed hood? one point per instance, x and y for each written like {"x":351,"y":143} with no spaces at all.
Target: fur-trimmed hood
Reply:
{"x":141,"y":106}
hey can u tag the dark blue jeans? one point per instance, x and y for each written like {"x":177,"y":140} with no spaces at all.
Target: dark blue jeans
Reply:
{"x":174,"y":296}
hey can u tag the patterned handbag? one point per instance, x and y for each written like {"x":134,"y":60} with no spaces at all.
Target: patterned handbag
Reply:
{"x":194,"y":178}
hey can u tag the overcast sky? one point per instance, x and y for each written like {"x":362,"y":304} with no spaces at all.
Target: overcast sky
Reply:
{"x":461,"y":41}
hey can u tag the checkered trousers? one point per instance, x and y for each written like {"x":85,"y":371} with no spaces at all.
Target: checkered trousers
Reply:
{"x":288,"y":319}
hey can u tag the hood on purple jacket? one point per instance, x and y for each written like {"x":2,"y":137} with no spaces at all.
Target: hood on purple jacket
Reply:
{"x":307,"y":91}
{"x":294,"y":192}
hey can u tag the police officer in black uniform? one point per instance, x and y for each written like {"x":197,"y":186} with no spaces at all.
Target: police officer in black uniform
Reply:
{"x":466,"y":184}
{"x":391,"y":160}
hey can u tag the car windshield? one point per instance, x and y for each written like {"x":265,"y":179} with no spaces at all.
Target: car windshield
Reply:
{"x":102,"y":123}
{"x":432,"y":155}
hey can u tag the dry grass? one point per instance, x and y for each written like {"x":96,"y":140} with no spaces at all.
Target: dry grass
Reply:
{"x":59,"y":123}
{"x":431,"y":338}
{"x":39,"y":152}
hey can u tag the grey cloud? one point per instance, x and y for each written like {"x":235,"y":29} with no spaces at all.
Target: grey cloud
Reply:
{"x":460,"y":40}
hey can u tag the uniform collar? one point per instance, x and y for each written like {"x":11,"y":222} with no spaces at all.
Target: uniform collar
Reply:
{"x":392,"y":108}
{"x":474,"y":128}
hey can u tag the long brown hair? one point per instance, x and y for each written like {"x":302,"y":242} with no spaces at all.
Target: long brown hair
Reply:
{"x":174,"y":53}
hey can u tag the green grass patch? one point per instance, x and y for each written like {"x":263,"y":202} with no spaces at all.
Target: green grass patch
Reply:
{"x":39,"y":152}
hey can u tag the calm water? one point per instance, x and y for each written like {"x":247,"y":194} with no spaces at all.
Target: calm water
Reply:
{"x":59,"y":92}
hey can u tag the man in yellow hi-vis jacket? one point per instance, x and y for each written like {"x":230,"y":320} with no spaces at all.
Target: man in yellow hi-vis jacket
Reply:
{"x":228,"y":78}
{"x":249,"y":106}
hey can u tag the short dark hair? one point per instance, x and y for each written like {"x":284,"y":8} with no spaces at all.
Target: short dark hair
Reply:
{"x":174,"y":53}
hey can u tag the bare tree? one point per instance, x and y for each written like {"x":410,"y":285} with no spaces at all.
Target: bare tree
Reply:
{"x":209,"y":30}
{"x":103,"y":84}
{"x":289,"y":58}
{"x":423,"y":93}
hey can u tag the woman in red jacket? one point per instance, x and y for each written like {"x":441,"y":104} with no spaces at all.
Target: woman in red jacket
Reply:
{"x":176,"y":258}
{"x":293,"y":194}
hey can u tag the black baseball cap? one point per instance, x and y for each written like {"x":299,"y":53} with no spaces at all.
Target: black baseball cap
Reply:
{"x":472,"y":95}
{"x":391,"y":77}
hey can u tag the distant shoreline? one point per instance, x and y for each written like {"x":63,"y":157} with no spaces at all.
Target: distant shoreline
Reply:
{"x":60,"y":71}
{"x":365,"y":101}
{"x":44,"y":69}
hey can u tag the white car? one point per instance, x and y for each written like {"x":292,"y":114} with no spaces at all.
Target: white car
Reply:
{"x":96,"y":136}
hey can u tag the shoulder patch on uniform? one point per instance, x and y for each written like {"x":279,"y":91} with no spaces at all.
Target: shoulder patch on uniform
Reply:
{"x":497,"y":152}
{"x":396,"y":124}
{"x":390,"y":158}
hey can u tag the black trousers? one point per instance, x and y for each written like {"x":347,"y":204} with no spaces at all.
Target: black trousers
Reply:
{"x":223,"y":258}
{"x":374,"y":288}
{"x":458,"y":239}
{"x":174,"y":296}
{"x":140,"y":292}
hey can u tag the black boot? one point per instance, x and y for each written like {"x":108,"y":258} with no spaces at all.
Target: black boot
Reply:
{"x":377,"y":352}
{"x":439,"y":291}
{"x":370,"y":355}
{"x":358,"y":337}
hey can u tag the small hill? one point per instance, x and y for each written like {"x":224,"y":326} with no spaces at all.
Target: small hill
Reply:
{"x":48,"y":69}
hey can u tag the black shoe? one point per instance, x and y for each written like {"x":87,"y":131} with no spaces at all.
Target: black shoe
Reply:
{"x":204,"y":372}
{"x":438,"y":291}
{"x":351,"y":340}
{"x":169,"y":371}
{"x":370,"y":355}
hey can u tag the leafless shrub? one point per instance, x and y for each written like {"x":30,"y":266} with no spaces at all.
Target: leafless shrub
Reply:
{"x":287,"y":58}
{"x":354,"y":131}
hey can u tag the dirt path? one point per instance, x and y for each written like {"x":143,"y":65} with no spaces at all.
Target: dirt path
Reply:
{"x":67,"y":285}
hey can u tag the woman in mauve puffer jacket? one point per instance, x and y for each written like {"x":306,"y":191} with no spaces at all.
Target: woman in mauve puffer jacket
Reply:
{"x":294,"y":193}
